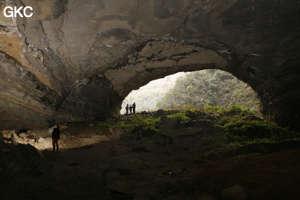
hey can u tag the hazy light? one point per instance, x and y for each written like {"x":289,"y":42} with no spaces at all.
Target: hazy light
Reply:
{"x":147,"y":96}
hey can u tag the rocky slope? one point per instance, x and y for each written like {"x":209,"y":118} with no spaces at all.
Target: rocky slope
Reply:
{"x":181,"y":162}
{"x":77,"y":60}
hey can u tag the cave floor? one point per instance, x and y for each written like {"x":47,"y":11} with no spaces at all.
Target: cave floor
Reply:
{"x":179,"y":164}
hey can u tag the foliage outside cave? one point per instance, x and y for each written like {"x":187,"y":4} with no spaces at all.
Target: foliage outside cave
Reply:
{"x":210,"y":87}
{"x":206,"y":87}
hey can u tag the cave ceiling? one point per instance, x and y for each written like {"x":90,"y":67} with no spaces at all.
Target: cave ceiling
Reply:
{"x":77,"y":60}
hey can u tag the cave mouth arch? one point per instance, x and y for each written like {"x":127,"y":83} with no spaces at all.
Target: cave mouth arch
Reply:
{"x":214,"y":88}
{"x":67,"y":75}
{"x":161,"y":57}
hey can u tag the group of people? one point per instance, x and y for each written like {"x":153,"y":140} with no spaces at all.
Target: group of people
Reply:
{"x":130,"y":108}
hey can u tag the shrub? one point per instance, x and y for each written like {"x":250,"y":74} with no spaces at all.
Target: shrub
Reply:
{"x":245,"y":131}
{"x":183,"y":117}
{"x":139,"y":121}
{"x":212,"y":109}
{"x":191,"y":108}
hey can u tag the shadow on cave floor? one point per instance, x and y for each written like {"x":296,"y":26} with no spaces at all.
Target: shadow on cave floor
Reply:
{"x":178,"y":163}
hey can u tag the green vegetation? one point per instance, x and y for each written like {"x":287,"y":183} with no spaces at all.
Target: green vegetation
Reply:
{"x":207,"y":88}
{"x":184,"y":118}
{"x":243,"y":127}
{"x":189,"y":107}
{"x":213,"y":109}
{"x":236,"y":125}
{"x":196,"y":89}
{"x":216,"y":110}
{"x":147,"y":123}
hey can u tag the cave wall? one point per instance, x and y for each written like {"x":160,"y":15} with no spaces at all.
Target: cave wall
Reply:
{"x":77,"y":60}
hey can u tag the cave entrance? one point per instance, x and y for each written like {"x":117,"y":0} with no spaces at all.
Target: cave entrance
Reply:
{"x":209,"y":87}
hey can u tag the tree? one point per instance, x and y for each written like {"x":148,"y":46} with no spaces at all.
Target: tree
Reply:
{"x":209,"y":87}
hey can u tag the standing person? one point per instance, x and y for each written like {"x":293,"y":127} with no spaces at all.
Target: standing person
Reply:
{"x":133,"y":107}
{"x":55,"y":137}
{"x":126,"y":108}
{"x":130,"y":109}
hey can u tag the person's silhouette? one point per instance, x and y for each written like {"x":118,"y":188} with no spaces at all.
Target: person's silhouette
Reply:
{"x":133,"y":107}
{"x":55,"y":137}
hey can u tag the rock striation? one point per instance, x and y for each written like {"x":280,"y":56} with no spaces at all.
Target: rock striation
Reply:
{"x":77,"y":60}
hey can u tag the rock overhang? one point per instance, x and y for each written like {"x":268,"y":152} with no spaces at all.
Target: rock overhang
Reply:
{"x":77,"y":60}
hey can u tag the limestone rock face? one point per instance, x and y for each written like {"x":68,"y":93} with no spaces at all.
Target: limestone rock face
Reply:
{"x":77,"y":60}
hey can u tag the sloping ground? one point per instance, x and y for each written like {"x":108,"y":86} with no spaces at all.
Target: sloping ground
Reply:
{"x":182,"y":162}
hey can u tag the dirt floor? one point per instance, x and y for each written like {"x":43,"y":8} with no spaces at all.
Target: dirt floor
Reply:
{"x":179,"y":163}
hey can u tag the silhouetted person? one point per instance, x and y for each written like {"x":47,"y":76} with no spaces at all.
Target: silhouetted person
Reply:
{"x":55,"y":137}
{"x":126,"y":108}
{"x":133,"y":107}
{"x":130,"y":109}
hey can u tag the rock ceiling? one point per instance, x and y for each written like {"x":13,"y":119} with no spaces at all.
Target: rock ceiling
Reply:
{"x":77,"y":60}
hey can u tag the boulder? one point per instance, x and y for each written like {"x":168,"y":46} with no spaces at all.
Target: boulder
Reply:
{"x":28,"y":152}
{"x":170,"y":123}
{"x":116,"y":132}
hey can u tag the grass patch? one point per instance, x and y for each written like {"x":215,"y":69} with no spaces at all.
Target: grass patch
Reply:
{"x":184,"y":118}
{"x":213,"y":109}
{"x":143,"y":124}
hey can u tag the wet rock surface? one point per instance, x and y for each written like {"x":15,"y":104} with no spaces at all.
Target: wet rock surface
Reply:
{"x":75,"y":61}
